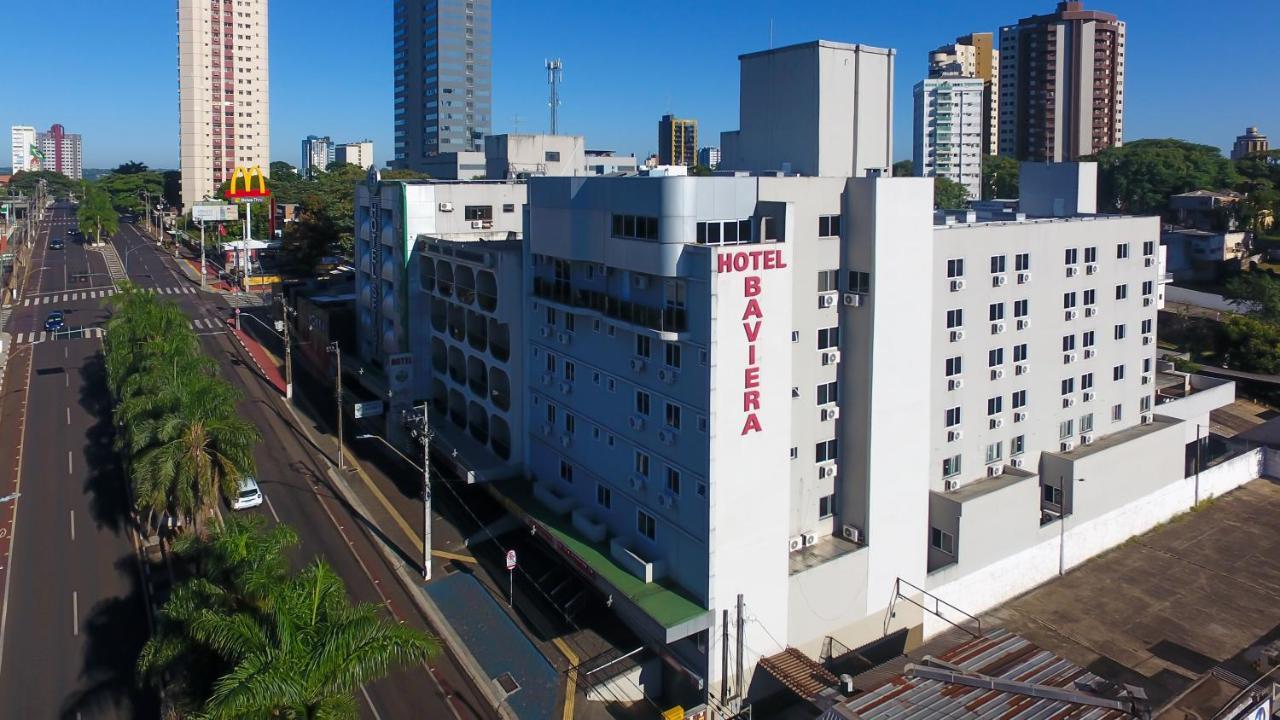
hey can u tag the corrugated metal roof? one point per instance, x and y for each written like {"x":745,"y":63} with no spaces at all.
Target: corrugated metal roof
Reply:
{"x":999,"y":654}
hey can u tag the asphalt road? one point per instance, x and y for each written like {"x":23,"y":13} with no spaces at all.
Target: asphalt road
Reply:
{"x":73,"y":616}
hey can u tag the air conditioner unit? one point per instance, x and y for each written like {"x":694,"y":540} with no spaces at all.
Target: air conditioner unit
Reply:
{"x":1068,"y":402}
{"x":1089,"y":353}
{"x":666,"y":437}
{"x":1090,"y":311}
{"x":446,"y":207}
{"x":566,"y":388}
{"x":999,"y":280}
{"x":564,"y":338}
{"x":1146,"y":302}
{"x":1023,"y":324}
{"x":1147,"y":340}
{"x":1086,"y":439}
{"x":795,"y":543}
{"x":997,"y":328}
{"x":667,"y":500}
{"x":954,"y":435}
{"x":477,"y":224}
{"x":548,"y":378}
{"x":566,"y":440}
{"x":637,"y":422}
{"x":853,"y":534}
{"x":810,"y":539}
{"x":997,"y":423}
{"x":826,"y":414}
{"x":1024,"y":278}
{"x":637,"y":364}
{"x":1146,"y":418}
{"x":994,"y":470}
{"x":1015,"y":462}
{"x":949,"y":485}
{"x":955,"y":383}
{"x":641,"y":281}
{"x":1065,"y":446}
{"x":997,"y":373}
{"x":547,"y":429}
{"x":1072,"y":314}
{"x":1148,"y":261}
{"x":544,"y":332}
{"x":827,"y":470}
{"x":852,"y":300}
{"x":1069,"y":357}
{"x":831,"y":357}
{"x":957,"y":335}
{"x":1019,"y":417}
{"x":1072,"y":271}
{"x":957,"y":285}
{"x":1090,"y":269}
{"x":826,"y":300}
{"x":1021,"y":369}
{"x":667,"y":375}
{"x":1146,"y":379}
{"x":1088,"y":395}
{"x":637,"y":482}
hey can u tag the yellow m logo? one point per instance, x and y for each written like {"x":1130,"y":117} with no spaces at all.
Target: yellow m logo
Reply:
{"x":241,"y":175}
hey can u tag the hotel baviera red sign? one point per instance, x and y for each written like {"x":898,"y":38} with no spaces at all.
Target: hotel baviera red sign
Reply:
{"x":751,"y":264}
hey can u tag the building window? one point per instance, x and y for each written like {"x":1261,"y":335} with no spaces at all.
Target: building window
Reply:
{"x":826,"y":450}
{"x":1122,"y":292}
{"x":828,"y":393}
{"x":508,"y":207}
{"x":859,"y":282}
{"x":566,"y":471}
{"x":1020,"y":353}
{"x":1117,"y":372}
{"x":1018,"y":399}
{"x":478,"y":212}
{"x":1052,"y":495}
{"x":1071,"y":256}
{"x":995,"y":357}
{"x":1086,"y":340}
{"x":1119,"y":331}
{"x":1122,"y":251}
{"x":1148,"y":247}
{"x":1068,"y":386}
{"x":640,"y":463}
{"x":1091,"y":254}
{"x":997,"y":264}
{"x":570,"y":370}
{"x":952,"y":417}
{"x":1090,"y":297}
{"x":636,"y":227}
{"x":951,"y":466}
{"x":1144,"y":405}
{"x":1068,"y":343}
{"x":551,"y":156}
{"x":955,"y":319}
{"x":570,"y":423}
{"x":1117,"y":412}
{"x":673,"y":481}
{"x":1086,"y":423}
{"x":828,"y":280}
{"x":826,"y":506}
{"x":995,"y":452}
{"x":1086,"y":381}
{"x":1148,"y":287}
{"x":673,"y":416}
{"x":642,"y":402}
{"x":646,"y":525}
{"x":1021,"y":308}
{"x":643,"y":346}
{"x":955,"y":268}
{"x":1066,"y":429}
{"x":1018,"y":445}
{"x":604,"y":496}
{"x":1022,"y":261}
{"x":995,"y":405}
{"x":996,"y":311}
{"x":942,"y":540}
{"x":955,"y":365}
{"x":828,"y":226}
{"x":828,"y":337}
{"x":673,"y":355}
{"x":1068,"y":300}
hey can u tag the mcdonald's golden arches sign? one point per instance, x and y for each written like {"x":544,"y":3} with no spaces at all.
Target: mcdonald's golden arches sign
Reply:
{"x":244,"y":177}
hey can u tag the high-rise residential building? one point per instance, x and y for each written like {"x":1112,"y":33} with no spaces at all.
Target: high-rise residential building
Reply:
{"x":25,"y":155}
{"x":61,"y":152}
{"x":1062,"y":84}
{"x":974,"y":56}
{"x":1249,"y":143}
{"x":947,"y":131}
{"x":709,"y":157}
{"x":443,"y":78}
{"x":358,"y":153}
{"x":677,"y":141}
{"x":789,"y":123}
{"x":224,"y":92}
{"x":317,"y":154}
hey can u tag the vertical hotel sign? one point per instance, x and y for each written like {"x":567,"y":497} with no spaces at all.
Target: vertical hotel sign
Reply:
{"x":754,"y":269}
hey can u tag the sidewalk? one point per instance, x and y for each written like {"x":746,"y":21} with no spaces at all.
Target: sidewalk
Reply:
{"x":268,"y":365}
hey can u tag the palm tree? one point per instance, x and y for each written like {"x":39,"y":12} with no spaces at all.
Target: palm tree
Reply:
{"x":197,"y":450}
{"x":96,"y":214}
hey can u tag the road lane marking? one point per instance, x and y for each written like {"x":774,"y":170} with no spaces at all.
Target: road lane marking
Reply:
{"x":68,"y":462}
{"x":369,"y":700}
{"x":73,"y":525}
{"x":271,"y":507}
{"x":68,"y":415}
{"x":75,"y":613}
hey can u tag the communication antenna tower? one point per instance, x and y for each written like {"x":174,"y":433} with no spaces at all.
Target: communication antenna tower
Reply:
{"x":555,"y":75}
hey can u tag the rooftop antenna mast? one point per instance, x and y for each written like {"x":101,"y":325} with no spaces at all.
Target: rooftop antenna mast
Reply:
{"x":555,"y":75}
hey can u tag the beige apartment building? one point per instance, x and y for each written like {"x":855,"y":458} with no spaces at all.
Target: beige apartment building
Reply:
{"x":223,"y":92}
{"x":974,"y":56}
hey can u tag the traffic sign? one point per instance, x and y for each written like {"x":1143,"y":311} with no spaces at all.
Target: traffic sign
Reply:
{"x":371,"y":408}
{"x":511,"y":578}
{"x":511,"y":560}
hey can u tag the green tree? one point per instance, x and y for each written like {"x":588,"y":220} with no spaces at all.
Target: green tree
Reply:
{"x":126,"y":189}
{"x":58,"y":185}
{"x":403,"y":174}
{"x":948,"y":194}
{"x":999,"y":177}
{"x":1250,"y":344}
{"x":903,"y":168}
{"x":1139,"y":176}
{"x":130,"y":168}
{"x":95,"y":215}
{"x":1256,"y":294}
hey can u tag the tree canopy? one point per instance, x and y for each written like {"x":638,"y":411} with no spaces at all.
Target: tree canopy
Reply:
{"x":903,"y":168}
{"x":1138,"y":177}
{"x":58,"y":184}
{"x":948,"y":194}
{"x":999,"y":177}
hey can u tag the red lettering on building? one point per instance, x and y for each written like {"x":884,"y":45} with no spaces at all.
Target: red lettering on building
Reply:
{"x":751,"y":286}
{"x":751,"y":425}
{"x":750,"y":401}
{"x":752,"y":320}
{"x":744,"y":260}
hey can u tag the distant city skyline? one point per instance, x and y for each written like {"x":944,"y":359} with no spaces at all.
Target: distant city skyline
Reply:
{"x":608,"y":95}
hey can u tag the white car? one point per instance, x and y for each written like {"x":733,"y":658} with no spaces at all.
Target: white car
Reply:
{"x":248,"y":496}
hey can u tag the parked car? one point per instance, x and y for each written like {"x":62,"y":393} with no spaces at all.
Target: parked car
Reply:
{"x":249,"y":495}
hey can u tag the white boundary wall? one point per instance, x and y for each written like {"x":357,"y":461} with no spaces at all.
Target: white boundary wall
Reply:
{"x":984,"y":589}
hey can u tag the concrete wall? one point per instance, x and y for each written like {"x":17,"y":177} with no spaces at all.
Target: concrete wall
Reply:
{"x":1208,"y":394}
{"x":1059,"y":189}
{"x":826,"y":598}
{"x":1210,"y":301}
{"x":510,"y":156}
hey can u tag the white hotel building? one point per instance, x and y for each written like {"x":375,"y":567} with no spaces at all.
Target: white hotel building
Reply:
{"x":810,"y":393}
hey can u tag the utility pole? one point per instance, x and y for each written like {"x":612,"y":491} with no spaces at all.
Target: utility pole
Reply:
{"x":742,"y":627}
{"x":426,"y":494}
{"x":724,"y":658}
{"x":1198,"y":460}
{"x":555,"y":75}
{"x":202,"y":272}
{"x":288,"y":352}
{"x":337,"y":352}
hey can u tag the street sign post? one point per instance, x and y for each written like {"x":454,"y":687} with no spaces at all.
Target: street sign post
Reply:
{"x":371,"y":408}
{"x":511,"y":574}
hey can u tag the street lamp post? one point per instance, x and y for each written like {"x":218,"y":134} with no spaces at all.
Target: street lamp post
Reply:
{"x":288,"y":351}
{"x":426,"y":485}
{"x":337,"y":352}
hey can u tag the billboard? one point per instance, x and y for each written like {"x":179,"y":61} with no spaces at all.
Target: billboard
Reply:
{"x":214,"y":212}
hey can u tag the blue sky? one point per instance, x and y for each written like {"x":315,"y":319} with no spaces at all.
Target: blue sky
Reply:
{"x":1200,"y":71}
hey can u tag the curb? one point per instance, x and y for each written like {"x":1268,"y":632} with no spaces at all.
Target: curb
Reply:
{"x":236,"y":333}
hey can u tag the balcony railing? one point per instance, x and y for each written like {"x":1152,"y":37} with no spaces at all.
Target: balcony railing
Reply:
{"x":670,"y":319}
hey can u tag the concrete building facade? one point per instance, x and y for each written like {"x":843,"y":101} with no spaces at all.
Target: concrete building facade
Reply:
{"x":443,"y":78}
{"x":677,"y":141}
{"x":1250,"y":143}
{"x":709,"y":157}
{"x":25,"y":150}
{"x":223,"y":92}
{"x":63,"y":152}
{"x":317,"y":154}
{"x":509,"y":156}
{"x":359,"y":153}
{"x":839,"y":111}
{"x":947,"y":131}
{"x":606,"y":162}
{"x":974,"y":56}
{"x":1062,"y":84}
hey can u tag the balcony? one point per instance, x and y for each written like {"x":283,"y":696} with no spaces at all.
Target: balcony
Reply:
{"x":663,"y":320}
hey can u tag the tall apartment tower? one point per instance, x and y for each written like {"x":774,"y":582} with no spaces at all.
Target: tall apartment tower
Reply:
{"x":356,"y":153}
{"x":1062,"y":84}
{"x":62,"y":152}
{"x":677,"y":141}
{"x":1249,"y":143}
{"x":974,"y":56}
{"x":947,"y":138}
{"x":24,"y":149}
{"x":443,"y":78}
{"x":317,"y":154}
{"x":223,"y":92}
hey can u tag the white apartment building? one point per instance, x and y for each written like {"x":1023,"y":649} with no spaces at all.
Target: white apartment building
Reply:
{"x":317,"y":154}
{"x":358,"y":153}
{"x":24,"y":149}
{"x":224,"y":92}
{"x":947,"y":136}
{"x":607,"y":162}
